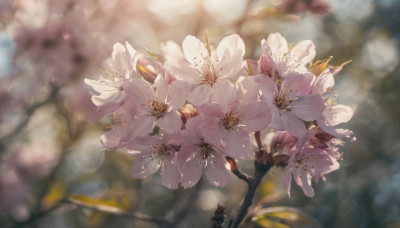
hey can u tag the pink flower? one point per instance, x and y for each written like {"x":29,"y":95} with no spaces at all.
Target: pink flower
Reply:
{"x":198,"y":154}
{"x":48,"y":47}
{"x":120,"y":131}
{"x":206,"y":67}
{"x":333,"y":114}
{"x":151,"y":153}
{"x":232,"y":114}
{"x":278,"y":59}
{"x":305,"y":162}
{"x":291,"y":103}
{"x":156,"y":105}
{"x":109,"y":92}
{"x":20,"y":167}
{"x":282,"y":143}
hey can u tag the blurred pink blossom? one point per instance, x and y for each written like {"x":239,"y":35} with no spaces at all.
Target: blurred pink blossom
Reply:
{"x":20,"y":167}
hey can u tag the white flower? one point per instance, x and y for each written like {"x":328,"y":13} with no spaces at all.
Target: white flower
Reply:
{"x":204,"y":68}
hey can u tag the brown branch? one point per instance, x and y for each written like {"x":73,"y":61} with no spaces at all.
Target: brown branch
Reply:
{"x":116,"y":212}
{"x":28,"y":114}
{"x":235,"y":170}
{"x":35,"y":217}
{"x":257,"y":135}
{"x":261,"y":168}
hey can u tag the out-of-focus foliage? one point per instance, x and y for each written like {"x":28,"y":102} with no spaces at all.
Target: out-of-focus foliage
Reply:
{"x":282,"y":217}
{"x":59,"y":142}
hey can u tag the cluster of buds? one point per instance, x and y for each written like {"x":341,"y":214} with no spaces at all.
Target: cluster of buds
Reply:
{"x":188,"y":110}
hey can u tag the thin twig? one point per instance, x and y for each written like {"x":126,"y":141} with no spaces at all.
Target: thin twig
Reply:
{"x":237,"y":171}
{"x":29,"y":112}
{"x":36,"y":216}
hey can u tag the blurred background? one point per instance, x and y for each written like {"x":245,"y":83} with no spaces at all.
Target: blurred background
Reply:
{"x":50,"y":130}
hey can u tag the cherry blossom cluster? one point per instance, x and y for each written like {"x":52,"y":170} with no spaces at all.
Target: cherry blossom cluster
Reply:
{"x":186,"y":111}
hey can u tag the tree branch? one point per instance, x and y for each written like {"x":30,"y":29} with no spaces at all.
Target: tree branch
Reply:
{"x":257,"y":135}
{"x":35,"y":217}
{"x":261,"y":168}
{"x":235,"y":170}
{"x":28,"y":114}
{"x":116,"y":212}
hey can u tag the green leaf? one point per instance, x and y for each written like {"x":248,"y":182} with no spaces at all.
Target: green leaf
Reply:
{"x":249,"y":69}
{"x":270,"y":224}
{"x":54,"y":195}
{"x":155,"y":56}
{"x":319,"y":66}
{"x":283,"y":216}
{"x":110,"y":206}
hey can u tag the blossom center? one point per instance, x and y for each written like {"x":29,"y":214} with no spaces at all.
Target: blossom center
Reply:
{"x":301,"y":163}
{"x":118,"y":119}
{"x":205,"y":150}
{"x":160,"y":150}
{"x":330,"y":97}
{"x":209,"y":76}
{"x":157,"y":109}
{"x":284,"y":102}
{"x":230,"y":120}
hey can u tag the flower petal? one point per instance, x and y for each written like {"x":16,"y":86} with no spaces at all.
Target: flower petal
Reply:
{"x":177,"y":94}
{"x":120,"y":55}
{"x":248,"y":89}
{"x":216,"y":171}
{"x":287,"y":179}
{"x":194,"y":50}
{"x":323,"y":83}
{"x":276,"y":46}
{"x":292,"y":124}
{"x":141,"y":126}
{"x":170,"y":175}
{"x":145,"y":166}
{"x":171,"y":122}
{"x":308,"y":107}
{"x":233,"y":43}
{"x":161,"y":84}
{"x":337,"y":114}
{"x":338,"y":133}
{"x":140,"y":91}
{"x":301,"y":54}
{"x":238,"y":144}
{"x":255,"y":116}
{"x":213,"y":131}
{"x":303,"y":181}
{"x":268,"y":88}
{"x":114,"y":139}
{"x":224,"y":95}
{"x":192,"y":171}
{"x":181,"y":70}
{"x":297,"y":84}
{"x":200,"y":95}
